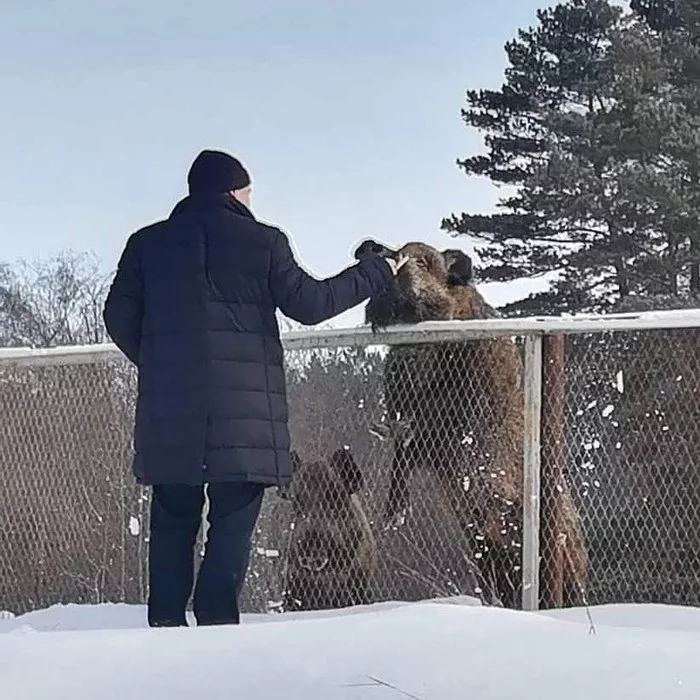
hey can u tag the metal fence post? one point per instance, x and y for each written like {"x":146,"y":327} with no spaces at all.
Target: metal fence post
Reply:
{"x":531,"y":472}
{"x":552,"y":546}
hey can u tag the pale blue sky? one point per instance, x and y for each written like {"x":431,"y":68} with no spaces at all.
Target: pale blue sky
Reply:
{"x":346,"y":113}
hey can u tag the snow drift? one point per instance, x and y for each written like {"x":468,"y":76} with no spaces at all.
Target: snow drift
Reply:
{"x":428,"y":650}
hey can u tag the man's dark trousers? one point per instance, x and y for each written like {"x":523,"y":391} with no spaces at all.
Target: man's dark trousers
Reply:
{"x":176,"y":513}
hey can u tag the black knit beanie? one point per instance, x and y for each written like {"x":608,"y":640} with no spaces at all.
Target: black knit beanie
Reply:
{"x":216,"y":172}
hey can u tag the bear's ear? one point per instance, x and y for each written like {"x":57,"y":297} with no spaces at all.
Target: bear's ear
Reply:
{"x":459,"y":268}
{"x":344,"y":464}
{"x":369,"y":246}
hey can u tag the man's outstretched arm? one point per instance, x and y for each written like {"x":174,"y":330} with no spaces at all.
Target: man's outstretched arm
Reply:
{"x":309,"y":301}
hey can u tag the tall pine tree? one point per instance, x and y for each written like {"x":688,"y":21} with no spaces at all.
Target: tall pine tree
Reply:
{"x":581,"y":131}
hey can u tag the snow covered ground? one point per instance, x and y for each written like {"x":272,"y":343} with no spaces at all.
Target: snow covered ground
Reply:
{"x":432,"y":650}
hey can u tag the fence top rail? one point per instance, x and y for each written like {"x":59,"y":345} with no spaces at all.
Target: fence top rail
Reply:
{"x":426,"y":332}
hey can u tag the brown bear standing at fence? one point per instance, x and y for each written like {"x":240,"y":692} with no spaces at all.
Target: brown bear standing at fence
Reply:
{"x":333,"y":552}
{"x":457,"y":409}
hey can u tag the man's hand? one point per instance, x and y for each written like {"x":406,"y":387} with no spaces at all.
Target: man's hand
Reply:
{"x":370,"y":247}
{"x":396,"y":265}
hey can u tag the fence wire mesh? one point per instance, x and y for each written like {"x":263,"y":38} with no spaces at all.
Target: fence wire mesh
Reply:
{"x":631,"y":433}
{"x":408,"y":480}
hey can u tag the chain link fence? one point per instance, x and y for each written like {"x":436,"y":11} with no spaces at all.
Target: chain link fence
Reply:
{"x":412,"y":476}
{"x":631,"y":430}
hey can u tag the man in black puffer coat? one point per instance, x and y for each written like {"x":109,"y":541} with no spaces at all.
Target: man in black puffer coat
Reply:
{"x":193,"y":307}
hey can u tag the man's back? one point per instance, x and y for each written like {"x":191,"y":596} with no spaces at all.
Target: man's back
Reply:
{"x":206,"y":273}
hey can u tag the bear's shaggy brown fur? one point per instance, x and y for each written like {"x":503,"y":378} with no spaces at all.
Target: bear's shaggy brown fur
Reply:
{"x":457,"y":409}
{"x":333,"y":552}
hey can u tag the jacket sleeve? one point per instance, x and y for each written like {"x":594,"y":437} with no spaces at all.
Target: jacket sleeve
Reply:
{"x":123,"y":309}
{"x":309,"y":301}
